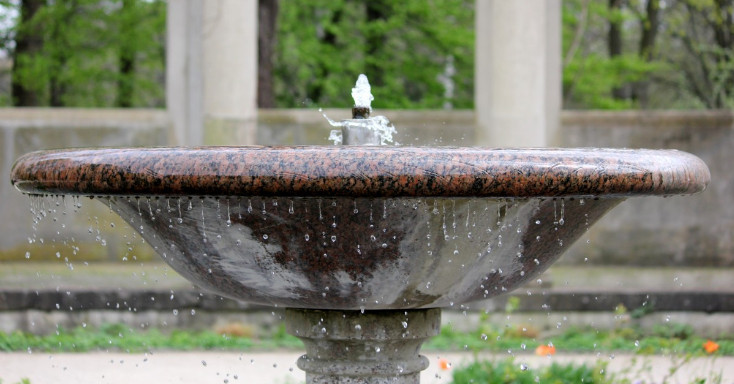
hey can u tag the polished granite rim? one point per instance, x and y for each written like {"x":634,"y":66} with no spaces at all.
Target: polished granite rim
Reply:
{"x":356,"y":171}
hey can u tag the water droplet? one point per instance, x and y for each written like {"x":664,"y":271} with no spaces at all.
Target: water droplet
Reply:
{"x":265,"y":237}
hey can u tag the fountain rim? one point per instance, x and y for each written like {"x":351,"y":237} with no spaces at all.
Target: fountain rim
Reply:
{"x":360,"y":171}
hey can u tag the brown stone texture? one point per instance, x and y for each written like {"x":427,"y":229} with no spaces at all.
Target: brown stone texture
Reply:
{"x":360,"y":172}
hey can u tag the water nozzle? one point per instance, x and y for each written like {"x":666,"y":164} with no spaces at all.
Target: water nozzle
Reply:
{"x":360,"y":112}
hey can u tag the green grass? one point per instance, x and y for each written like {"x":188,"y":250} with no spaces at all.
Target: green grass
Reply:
{"x":665,"y":339}
{"x":120,"y":337}
{"x":669,"y":339}
{"x":509,"y":371}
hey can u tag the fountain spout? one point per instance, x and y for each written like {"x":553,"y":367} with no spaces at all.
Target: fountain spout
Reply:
{"x":362,"y":129}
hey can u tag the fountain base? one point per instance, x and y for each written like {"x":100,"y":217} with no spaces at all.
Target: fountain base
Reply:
{"x":363,"y":347}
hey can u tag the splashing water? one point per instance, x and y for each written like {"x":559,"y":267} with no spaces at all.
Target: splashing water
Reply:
{"x":380,"y":125}
{"x":362,"y":93}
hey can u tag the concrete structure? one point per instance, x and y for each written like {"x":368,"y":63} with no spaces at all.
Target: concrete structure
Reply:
{"x":370,"y":347}
{"x":517,"y":77}
{"x":27,"y":129}
{"x":211,"y":74}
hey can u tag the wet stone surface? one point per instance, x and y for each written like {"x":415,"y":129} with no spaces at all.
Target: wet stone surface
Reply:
{"x":359,"y":253}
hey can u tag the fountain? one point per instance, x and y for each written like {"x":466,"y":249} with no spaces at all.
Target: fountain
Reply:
{"x":361,"y":244}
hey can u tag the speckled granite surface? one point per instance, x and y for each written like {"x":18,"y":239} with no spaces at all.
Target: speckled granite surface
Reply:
{"x":360,"y":171}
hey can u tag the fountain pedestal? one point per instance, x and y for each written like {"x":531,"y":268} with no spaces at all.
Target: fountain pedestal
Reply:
{"x":363,"y":347}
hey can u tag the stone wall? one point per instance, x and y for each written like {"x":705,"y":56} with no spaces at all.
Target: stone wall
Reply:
{"x":653,"y":231}
{"x":29,"y":129}
{"x":682,"y":231}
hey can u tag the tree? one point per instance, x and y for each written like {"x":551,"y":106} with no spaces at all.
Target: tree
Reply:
{"x":90,"y":53}
{"x":599,"y":68}
{"x":28,"y":42}
{"x":266,"y":37}
{"x":403,"y":47}
{"x":704,"y":29}
{"x":615,"y":43}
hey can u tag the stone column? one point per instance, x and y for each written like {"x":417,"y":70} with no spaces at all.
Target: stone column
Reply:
{"x":517,"y":72}
{"x":356,"y":347}
{"x":211,"y":74}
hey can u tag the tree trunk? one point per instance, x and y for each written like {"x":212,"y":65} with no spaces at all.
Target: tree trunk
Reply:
{"x":376,"y":10}
{"x":61,"y":52}
{"x":614,"y":42}
{"x":28,"y":41}
{"x":267,"y":27}
{"x":650,"y":24}
{"x":315,"y":89}
{"x":614,"y":38}
{"x":126,"y":60}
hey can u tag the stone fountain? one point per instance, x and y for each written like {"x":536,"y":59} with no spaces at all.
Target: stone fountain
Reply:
{"x":361,"y":244}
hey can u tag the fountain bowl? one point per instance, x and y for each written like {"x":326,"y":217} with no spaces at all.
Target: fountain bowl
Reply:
{"x":359,"y":227}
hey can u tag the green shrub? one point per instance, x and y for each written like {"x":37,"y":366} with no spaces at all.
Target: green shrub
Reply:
{"x":509,"y":371}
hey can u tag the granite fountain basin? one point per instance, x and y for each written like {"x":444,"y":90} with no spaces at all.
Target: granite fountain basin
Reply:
{"x":359,"y":227}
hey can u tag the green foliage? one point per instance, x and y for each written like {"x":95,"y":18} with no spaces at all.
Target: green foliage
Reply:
{"x":82,"y":42}
{"x":509,"y":371}
{"x":121,"y":337}
{"x":323,"y":46}
{"x":590,"y":75}
{"x":665,"y":338}
{"x":22,"y":381}
{"x":589,"y":81}
{"x":112,"y":53}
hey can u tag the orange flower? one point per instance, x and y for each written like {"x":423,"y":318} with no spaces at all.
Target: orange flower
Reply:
{"x":545,"y":350}
{"x":710,"y":346}
{"x":444,"y":364}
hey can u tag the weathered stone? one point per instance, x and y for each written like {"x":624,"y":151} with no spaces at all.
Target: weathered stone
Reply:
{"x":356,"y":347}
